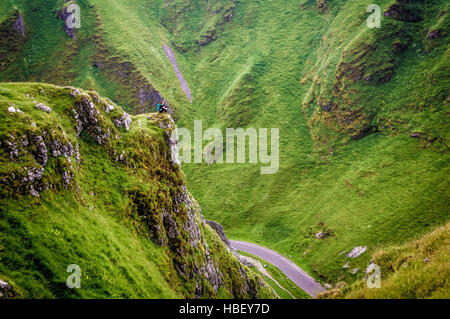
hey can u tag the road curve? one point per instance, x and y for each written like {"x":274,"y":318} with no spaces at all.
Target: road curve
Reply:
{"x":291,"y":270}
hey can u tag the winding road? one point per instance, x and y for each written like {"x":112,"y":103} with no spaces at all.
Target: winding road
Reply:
{"x":291,"y":270}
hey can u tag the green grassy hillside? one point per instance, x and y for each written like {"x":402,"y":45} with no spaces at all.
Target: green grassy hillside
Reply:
{"x":120,"y":65}
{"x":373,"y":191}
{"x":85,"y":184}
{"x":418,"y":269}
{"x":362,"y":113}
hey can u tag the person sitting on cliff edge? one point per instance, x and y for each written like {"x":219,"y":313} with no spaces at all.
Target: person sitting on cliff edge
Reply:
{"x":161,"y":107}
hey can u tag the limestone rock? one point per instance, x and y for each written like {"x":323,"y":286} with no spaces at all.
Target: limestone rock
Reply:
{"x":5,"y":290}
{"x":123,"y":122}
{"x":64,"y":15}
{"x":86,"y":117}
{"x":356,"y":252}
{"x":219,"y":230}
{"x":43,"y":107}
{"x":166,"y":123}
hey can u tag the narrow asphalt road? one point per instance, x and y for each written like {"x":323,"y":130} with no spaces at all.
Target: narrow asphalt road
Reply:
{"x":291,"y":270}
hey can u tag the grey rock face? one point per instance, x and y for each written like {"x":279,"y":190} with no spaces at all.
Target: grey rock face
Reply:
{"x":211,"y":272}
{"x":66,"y":178}
{"x":166,"y":122}
{"x":191,"y":225}
{"x":124,"y":121}
{"x":64,"y":15}
{"x":223,"y":237}
{"x":86,"y":117}
{"x":41,"y":154}
{"x":34,"y":176}
{"x":204,"y":267}
{"x":242,"y":259}
{"x":41,"y":148}
{"x":171,"y":226}
{"x":219,"y":230}
{"x":13,"y":150}
{"x":57,"y":148}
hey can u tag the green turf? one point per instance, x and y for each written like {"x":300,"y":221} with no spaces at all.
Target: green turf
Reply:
{"x":271,"y":66}
{"x":417,"y":269}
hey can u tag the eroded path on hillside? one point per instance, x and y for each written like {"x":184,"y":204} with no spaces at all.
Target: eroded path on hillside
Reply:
{"x":184,"y":85}
{"x":291,"y":270}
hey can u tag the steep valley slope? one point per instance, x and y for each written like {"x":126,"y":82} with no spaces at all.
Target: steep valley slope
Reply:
{"x":362,"y":113}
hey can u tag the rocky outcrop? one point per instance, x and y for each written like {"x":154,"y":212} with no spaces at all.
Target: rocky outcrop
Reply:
{"x":249,"y":262}
{"x":219,"y":230}
{"x":64,"y":15}
{"x":212,"y":34}
{"x":179,"y":227}
{"x":87,"y":119}
{"x":42,"y":157}
{"x":29,"y":179}
{"x":178,"y":224}
{"x":134,"y":90}
{"x":6,"y":291}
{"x":123,"y":122}
{"x":166,"y":123}
{"x":340,"y":105}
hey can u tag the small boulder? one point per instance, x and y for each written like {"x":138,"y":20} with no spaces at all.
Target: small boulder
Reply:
{"x":43,"y":107}
{"x":13,"y":109}
{"x":356,"y":252}
{"x":109,"y":108}
{"x":321,"y":235}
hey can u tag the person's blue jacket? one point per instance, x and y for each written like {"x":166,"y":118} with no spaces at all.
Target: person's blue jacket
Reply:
{"x":158,"y":107}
